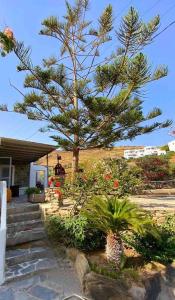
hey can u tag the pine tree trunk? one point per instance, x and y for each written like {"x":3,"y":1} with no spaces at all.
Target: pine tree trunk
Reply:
{"x":114,"y":249}
{"x":75,"y":163}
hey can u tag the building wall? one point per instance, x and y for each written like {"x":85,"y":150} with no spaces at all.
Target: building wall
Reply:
{"x":22,"y":174}
{"x":137,"y":153}
{"x":171,"y":146}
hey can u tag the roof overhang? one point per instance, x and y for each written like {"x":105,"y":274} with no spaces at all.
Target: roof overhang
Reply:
{"x":23,"y":151}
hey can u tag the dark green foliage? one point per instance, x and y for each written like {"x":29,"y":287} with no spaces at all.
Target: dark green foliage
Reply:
{"x":88,"y":100}
{"x":32,"y":190}
{"x":75,"y":232}
{"x":161,"y":249}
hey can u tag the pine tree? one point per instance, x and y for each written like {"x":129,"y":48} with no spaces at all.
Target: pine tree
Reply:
{"x":87,"y":100}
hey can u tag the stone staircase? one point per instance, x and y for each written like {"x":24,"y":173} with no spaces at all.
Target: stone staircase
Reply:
{"x":27,"y":251}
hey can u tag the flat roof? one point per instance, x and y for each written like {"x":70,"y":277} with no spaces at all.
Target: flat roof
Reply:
{"x":23,"y":151}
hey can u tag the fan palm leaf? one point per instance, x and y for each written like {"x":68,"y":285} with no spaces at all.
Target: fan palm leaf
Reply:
{"x":113,"y":216}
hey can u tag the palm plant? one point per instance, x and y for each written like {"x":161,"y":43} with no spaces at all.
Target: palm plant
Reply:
{"x":114,"y":216}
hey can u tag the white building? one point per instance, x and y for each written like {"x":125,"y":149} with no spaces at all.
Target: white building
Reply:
{"x":171,"y":145}
{"x":148,"y":150}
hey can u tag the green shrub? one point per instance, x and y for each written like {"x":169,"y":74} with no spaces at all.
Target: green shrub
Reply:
{"x":32,"y":190}
{"x":55,"y":227}
{"x":75,"y":232}
{"x":160,"y":249}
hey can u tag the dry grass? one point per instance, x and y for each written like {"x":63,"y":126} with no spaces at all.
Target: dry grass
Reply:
{"x":86,"y":156}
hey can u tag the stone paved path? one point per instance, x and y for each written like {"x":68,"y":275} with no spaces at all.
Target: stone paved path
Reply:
{"x":155,"y":202}
{"x":34,"y":270}
{"x":55,"y":284}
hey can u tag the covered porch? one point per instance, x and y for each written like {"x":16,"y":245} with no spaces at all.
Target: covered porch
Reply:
{"x":18,"y":167}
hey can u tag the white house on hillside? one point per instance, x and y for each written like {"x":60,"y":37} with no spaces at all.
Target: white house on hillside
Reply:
{"x":148,"y":150}
{"x":171,"y":145}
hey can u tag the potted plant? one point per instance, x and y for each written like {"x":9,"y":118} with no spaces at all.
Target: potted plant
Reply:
{"x":35,"y":195}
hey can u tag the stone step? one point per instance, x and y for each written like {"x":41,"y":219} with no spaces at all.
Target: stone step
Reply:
{"x":22,"y":208}
{"x":24,"y":225}
{"x":22,"y":237}
{"x":30,"y":268}
{"x":19,"y":217}
{"x":21,"y":255}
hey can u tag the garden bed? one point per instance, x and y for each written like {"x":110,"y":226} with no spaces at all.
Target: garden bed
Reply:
{"x":148,"y":281}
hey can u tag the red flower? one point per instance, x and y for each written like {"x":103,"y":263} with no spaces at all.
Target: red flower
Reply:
{"x":49,"y":182}
{"x":59,"y":193}
{"x":57,"y":184}
{"x":116,"y":184}
{"x":107,"y":177}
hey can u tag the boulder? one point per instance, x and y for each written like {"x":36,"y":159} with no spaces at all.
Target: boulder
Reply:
{"x":82,"y":267}
{"x":137,"y":292}
{"x":72,"y":253}
{"x":99,"y":287}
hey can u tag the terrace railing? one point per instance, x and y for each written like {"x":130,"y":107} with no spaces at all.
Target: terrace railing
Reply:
{"x":3,"y":228}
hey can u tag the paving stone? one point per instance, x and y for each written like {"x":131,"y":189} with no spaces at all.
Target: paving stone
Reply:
{"x":43,"y":293}
{"x":54,"y":286}
{"x":46,"y":263}
{"x":28,"y":269}
{"x":22,"y":256}
{"x":74,"y":297}
{"x":23,"y":296}
{"x":25,"y":283}
{"x":7,"y":294}
{"x":25,"y":236}
{"x":17,"y":252}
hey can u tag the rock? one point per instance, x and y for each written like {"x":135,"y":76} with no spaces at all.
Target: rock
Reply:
{"x":167,"y":292}
{"x":152,"y":286}
{"x":72,"y":253}
{"x":82,"y":266}
{"x":155,"y":266}
{"x":170,"y":274}
{"x":137,"y":292}
{"x":161,"y":285}
{"x":98,"y":287}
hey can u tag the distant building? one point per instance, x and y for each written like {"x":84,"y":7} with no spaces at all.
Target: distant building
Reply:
{"x":148,"y":150}
{"x":171,"y":145}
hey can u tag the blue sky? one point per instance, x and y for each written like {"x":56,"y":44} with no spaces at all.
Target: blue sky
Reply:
{"x":25,"y":18}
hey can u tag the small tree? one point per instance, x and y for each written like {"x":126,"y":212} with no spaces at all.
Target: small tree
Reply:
{"x":88,"y":100}
{"x":113,"y":216}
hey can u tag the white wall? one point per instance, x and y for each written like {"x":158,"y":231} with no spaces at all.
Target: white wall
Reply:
{"x":149,"y":150}
{"x":171,"y":145}
{"x":33,"y":174}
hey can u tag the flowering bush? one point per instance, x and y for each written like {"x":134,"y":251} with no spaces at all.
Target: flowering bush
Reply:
{"x":108,"y":177}
{"x":116,"y":176}
{"x":53,"y":182}
{"x":154,"y":168}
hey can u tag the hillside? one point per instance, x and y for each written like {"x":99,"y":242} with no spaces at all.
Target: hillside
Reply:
{"x":86,"y":156}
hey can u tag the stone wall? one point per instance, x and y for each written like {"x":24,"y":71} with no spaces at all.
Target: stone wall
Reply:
{"x":22,"y":174}
{"x":53,"y":199}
